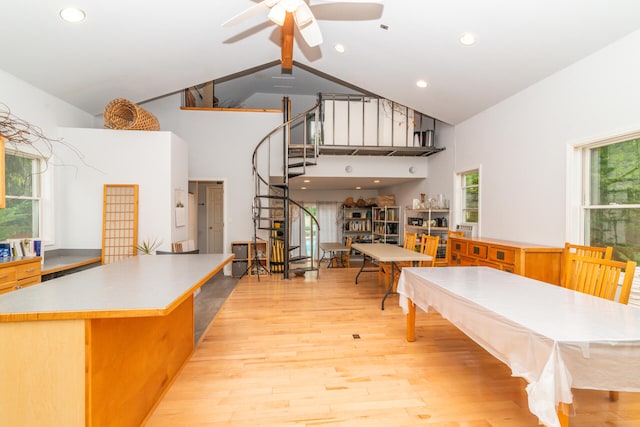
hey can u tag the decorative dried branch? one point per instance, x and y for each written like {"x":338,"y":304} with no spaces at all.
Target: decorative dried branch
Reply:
{"x":17,"y":131}
{"x":20,"y":132}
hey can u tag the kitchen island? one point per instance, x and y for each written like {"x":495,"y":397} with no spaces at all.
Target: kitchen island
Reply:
{"x":99,"y":347}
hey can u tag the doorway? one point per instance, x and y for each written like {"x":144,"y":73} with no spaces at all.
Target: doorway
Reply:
{"x":209,"y":196}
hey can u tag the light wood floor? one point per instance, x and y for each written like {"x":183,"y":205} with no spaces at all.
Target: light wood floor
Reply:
{"x":283,"y":353}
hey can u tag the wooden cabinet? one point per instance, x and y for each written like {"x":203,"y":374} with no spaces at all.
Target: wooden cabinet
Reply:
{"x":530,"y":260}
{"x":17,"y":273}
{"x":433,"y":222}
{"x":386,"y":224}
{"x":249,"y":256}
{"x":356,"y":223}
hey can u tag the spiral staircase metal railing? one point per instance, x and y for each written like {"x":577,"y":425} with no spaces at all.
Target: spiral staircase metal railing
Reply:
{"x":284,"y":153}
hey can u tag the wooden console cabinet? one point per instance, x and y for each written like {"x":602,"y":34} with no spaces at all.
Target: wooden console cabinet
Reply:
{"x":535,"y":261}
{"x":17,"y":273}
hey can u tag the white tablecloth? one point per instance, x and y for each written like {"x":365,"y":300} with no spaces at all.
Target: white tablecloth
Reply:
{"x":552,"y":337}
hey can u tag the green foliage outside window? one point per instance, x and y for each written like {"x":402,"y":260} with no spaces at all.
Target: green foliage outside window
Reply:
{"x":20,"y":217}
{"x":471,"y":196}
{"x":614,"y":185}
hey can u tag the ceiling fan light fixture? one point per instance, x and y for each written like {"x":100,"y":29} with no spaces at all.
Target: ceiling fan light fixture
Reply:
{"x":291,"y":5}
{"x":339,"y":47}
{"x":277,"y":14}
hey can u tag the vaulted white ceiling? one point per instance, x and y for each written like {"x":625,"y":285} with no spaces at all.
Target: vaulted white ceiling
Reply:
{"x":143,"y":49}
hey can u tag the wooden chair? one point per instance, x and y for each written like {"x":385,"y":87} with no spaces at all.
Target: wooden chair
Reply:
{"x":600,"y":277}
{"x":451,"y":233}
{"x":429,"y":246}
{"x":585,"y":251}
{"x":343,"y":258}
{"x":409,"y":242}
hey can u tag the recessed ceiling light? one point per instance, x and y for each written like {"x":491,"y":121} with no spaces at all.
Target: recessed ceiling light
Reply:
{"x":422,"y":83}
{"x":467,"y":39}
{"x":72,"y":14}
{"x":303,"y":188}
{"x":306,"y":180}
{"x":339,"y":47}
{"x":358,"y":188}
{"x":376,"y":181}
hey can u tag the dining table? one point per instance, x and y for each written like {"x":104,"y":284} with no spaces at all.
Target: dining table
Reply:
{"x":555,"y":338}
{"x":333,"y":248}
{"x":389,"y":254}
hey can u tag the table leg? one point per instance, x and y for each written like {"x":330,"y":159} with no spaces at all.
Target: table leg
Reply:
{"x":390,"y":291}
{"x":563,"y":414}
{"x":411,"y":321}
{"x":364,"y":261}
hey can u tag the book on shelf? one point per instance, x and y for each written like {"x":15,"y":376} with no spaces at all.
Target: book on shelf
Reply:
{"x":21,"y":247}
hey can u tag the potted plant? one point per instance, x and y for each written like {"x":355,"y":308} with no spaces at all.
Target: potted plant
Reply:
{"x":149,"y":246}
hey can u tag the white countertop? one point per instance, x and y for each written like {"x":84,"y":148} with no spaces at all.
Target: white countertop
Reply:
{"x":138,"y":286}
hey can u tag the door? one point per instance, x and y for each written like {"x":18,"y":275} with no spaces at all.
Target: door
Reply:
{"x":215,"y":219}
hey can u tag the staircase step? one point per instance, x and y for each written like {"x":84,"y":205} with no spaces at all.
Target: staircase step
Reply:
{"x":301,"y":164}
{"x":294,"y":174}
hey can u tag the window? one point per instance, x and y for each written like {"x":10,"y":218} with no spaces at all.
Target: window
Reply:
{"x":470,"y":196}
{"x":611,"y":197}
{"x":21,"y":217}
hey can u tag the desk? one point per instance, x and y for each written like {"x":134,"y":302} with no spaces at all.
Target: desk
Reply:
{"x":554,"y":338}
{"x":332,"y":248}
{"x":101,"y":346}
{"x":388,"y":253}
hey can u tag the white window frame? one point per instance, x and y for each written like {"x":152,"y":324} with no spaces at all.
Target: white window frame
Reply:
{"x":45,"y":188}
{"x":578,"y":185}
{"x":458,"y":213}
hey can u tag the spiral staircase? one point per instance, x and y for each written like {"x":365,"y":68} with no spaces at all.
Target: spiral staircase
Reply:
{"x":284,"y":153}
{"x":339,"y":124}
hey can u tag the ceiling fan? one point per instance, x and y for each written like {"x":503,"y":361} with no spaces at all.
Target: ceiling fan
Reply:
{"x":290,"y":14}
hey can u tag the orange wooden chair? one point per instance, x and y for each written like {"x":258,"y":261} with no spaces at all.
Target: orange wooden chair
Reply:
{"x":600,"y":277}
{"x":429,"y":246}
{"x":384,"y":269}
{"x":344,"y":258}
{"x":585,"y":251}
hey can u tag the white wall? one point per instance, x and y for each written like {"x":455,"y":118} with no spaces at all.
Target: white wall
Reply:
{"x":39,"y":108}
{"x":220,"y":149}
{"x":522,"y":142}
{"x":156,"y":161}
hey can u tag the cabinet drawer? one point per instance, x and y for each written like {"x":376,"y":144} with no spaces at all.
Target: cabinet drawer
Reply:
{"x":27,"y":270}
{"x":507,"y":256}
{"x":460,"y":247}
{"x":479,"y":251}
{"x":28,"y":282}
{"x":7,"y":274}
{"x":7,"y":287}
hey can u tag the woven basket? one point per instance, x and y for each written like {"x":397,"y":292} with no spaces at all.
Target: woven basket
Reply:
{"x":124,"y":114}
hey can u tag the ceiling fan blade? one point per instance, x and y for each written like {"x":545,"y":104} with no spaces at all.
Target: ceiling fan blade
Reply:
{"x":248,"y":13}
{"x":311,"y":33}
{"x":348,"y":10}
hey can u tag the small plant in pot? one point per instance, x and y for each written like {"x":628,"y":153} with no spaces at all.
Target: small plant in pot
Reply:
{"x":149,"y":246}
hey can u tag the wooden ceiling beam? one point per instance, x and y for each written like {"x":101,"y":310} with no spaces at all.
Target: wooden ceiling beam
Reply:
{"x":286,"y":42}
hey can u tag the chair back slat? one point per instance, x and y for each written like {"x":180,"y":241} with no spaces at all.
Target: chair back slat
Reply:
{"x":410,"y":240}
{"x":429,"y":246}
{"x":583,"y":251}
{"x":599,"y":277}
